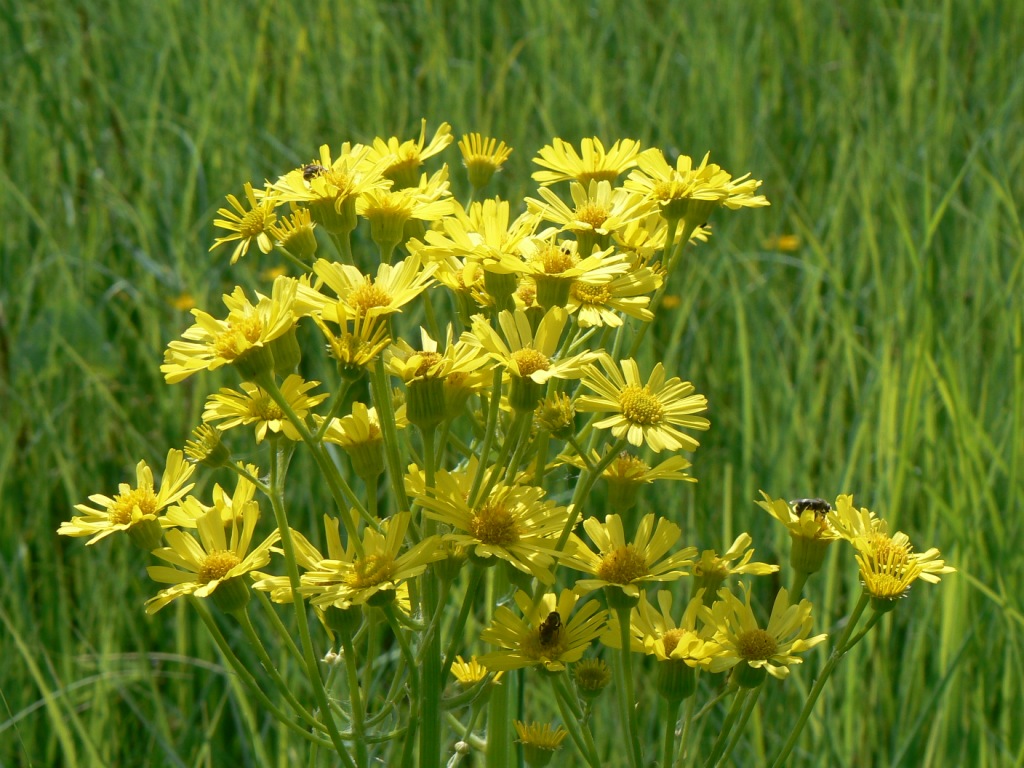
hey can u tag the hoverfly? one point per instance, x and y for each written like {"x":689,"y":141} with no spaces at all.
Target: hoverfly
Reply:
{"x":311,"y":171}
{"x":549,"y":628}
{"x":819,"y":507}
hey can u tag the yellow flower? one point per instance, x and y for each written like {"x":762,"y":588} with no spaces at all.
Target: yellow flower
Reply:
{"x":691,"y":192}
{"x":485,"y":236}
{"x":847,"y":522}
{"x":656,"y":633}
{"x":254,"y":406}
{"x":362,"y":296}
{"x":539,"y":741}
{"x":483,"y":157}
{"x":515,"y":523}
{"x":213,"y":561}
{"x":356,"y":347}
{"x":232,"y":508}
{"x":132,"y":506}
{"x":644,"y":413}
{"x":598,"y":209}
{"x":247,"y":224}
{"x":712,"y":569}
{"x":548,"y":634}
{"x":388,"y":211}
{"x":592,"y":163}
{"x":211,"y":343}
{"x":598,"y":303}
{"x":469,"y":673}
{"x":308,"y":558}
{"x":355,"y":579}
{"x":810,"y":528}
{"x":411,"y":365}
{"x":403,"y":159}
{"x":889,"y":567}
{"x":629,"y":566}
{"x":295,"y":234}
{"x":330,"y":187}
{"x":773,"y":648}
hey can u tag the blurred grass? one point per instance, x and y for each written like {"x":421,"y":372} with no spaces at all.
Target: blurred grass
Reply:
{"x":882,"y":358}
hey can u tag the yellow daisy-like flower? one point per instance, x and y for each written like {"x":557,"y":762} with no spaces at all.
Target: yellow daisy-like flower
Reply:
{"x":514,"y":523}
{"x":207,"y":447}
{"x":809,"y":526}
{"x":545,"y":256}
{"x":248,"y":224}
{"x":602,"y":303}
{"x":485,"y":235}
{"x":131,"y":507}
{"x":539,"y":741}
{"x":712,"y":569}
{"x":361,"y":427}
{"x":526,"y":354}
{"x":592,"y":163}
{"x":411,"y":365}
{"x":213,"y":561}
{"x":656,"y":633}
{"x":330,"y":187}
{"x":547,"y":634}
{"x":355,"y":347}
{"x":211,"y":343}
{"x":742,"y":640}
{"x":845,"y":521}
{"x":388,"y":211}
{"x":295,"y":234}
{"x":403,"y":159}
{"x":598,"y":209}
{"x":469,"y":673}
{"x":254,"y":406}
{"x":691,"y":192}
{"x":483,"y":157}
{"x":376,"y":574}
{"x":644,"y":413}
{"x":190,"y":510}
{"x":307,"y":557}
{"x":362,"y":296}
{"x":629,"y":566}
{"x":889,"y":567}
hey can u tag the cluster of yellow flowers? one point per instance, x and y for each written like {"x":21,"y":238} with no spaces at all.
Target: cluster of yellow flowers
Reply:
{"x":525,"y":402}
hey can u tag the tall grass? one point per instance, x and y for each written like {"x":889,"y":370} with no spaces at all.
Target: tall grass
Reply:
{"x":882,"y":358}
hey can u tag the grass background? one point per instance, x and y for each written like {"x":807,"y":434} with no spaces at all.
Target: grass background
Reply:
{"x":883,"y":358}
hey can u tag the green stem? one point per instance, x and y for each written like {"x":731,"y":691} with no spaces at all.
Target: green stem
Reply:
{"x":279,"y":627}
{"x":626,"y":695}
{"x":748,"y":709}
{"x":688,"y":719}
{"x":799,"y":579}
{"x":727,"y":726}
{"x":671,"y":718}
{"x":579,"y":732}
{"x":499,"y":709}
{"x":292,"y":566}
{"x":673,"y":253}
{"x":492,"y":427}
{"x":355,"y":701}
{"x":386,"y":416}
{"x":414,"y":681}
{"x":476,"y":576}
{"x":842,"y":646}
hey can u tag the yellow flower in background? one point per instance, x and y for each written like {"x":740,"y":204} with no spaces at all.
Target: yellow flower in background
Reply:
{"x":248,"y":223}
{"x":360,"y":295}
{"x":255,"y":406}
{"x":131,"y":506}
{"x":388,"y":210}
{"x":629,"y":565}
{"x":644,"y":413}
{"x":361,"y":427}
{"x":743,"y":641}
{"x":211,"y":343}
{"x":212,"y":562}
{"x":598,"y":208}
{"x":591,"y":163}
{"x":514,"y":523}
{"x":355,"y":579}
{"x":656,"y":633}
{"x":547,"y":634}
{"x":483,"y":157}
{"x":810,"y":528}
{"x":689,"y":191}
{"x":402,"y":159}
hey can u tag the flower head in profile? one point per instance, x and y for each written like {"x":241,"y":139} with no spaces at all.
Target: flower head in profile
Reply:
{"x":645,"y":413}
{"x":483,"y":157}
{"x":592,"y":163}
{"x":712,"y":569}
{"x":743,"y":641}
{"x":361,"y":296}
{"x":358,"y":578}
{"x":655,"y":632}
{"x":247,"y":223}
{"x":546,"y":633}
{"x":540,"y":741}
{"x":213,"y":561}
{"x":402,"y":159}
{"x":469,"y":673}
{"x":629,"y":565}
{"x":358,"y":342}
{"x":514,"y":523}
{"x":237,"y":340}
{"x":132,"y":506}
{"x":253,"y":405}
{"x":810,"y":528}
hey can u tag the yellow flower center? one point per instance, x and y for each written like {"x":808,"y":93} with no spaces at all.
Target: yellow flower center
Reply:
{"x":593,"y":214}
{"x":756,"y":645}
{"x":265,"y":409}
{"x":370,"y":571}
{"x":622,"y":565}
{"x":887,"y":586}
{"x":144,"y":498}
{"x":254,"y":222}
{"x":238,"y":337}
{"x":555,"y":259}
{"x":216,"y":565}
{"x":494,"y":524}
{"x":530,"y":360}
{"x":711,"y":568}
{"x":427,"y":359}
{"x":886,"y":551}
{"x":627,"y":467}
{"x":671,"y":639}
{"x":668,"y":190}
{"x":591,"y":294}
{"x":640,"y":406}
{"x":528,"y":294}
{"x":368,"y":296}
